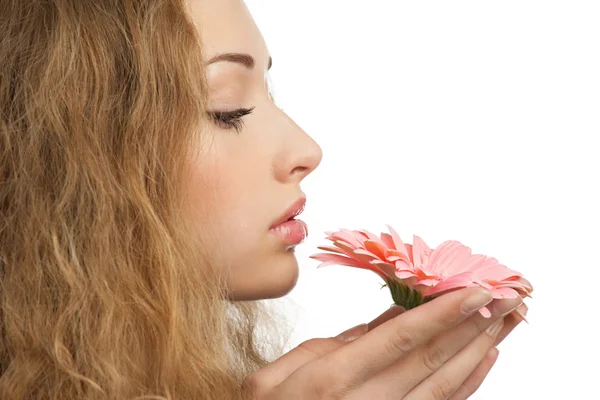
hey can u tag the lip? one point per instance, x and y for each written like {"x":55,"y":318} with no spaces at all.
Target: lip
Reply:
{"x":292,"y":212}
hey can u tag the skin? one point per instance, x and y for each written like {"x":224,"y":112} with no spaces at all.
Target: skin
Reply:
{"x":243,"y":181}
{"x":253,"y":175}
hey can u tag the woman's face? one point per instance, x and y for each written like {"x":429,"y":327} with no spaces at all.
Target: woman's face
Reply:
{"x":246,"y":180}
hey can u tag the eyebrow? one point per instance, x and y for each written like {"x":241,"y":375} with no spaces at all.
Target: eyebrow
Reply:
{"x":240,"y":58}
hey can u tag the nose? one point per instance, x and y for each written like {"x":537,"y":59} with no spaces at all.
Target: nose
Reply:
{"x":299,"y":155}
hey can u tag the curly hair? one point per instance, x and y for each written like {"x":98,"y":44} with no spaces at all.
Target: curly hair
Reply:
{"x":103,"y":293}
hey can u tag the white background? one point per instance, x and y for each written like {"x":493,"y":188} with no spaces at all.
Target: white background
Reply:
{"x":470,"y":120}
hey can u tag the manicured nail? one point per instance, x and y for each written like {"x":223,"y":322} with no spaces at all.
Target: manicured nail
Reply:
{"x":496,"y":327}
{"x":477,"y":300}
{"x":397,"y":307}
{"x":521,"y":312}
{"x":353,"y":333}
{"x":513,"y":308}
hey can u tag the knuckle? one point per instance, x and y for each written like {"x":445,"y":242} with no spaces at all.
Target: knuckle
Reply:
{"x":448,"y":320}
{"x":401,"y":342}
{"x":332,"y":380}
{"x":434,"y":357}
{"x":442,"y":389}
{"x":318,"y":346}
{"x":328,"y":384}
{"x":312,"y":343}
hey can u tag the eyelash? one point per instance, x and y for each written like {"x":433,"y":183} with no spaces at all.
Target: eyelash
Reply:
{"x":230,"y":119}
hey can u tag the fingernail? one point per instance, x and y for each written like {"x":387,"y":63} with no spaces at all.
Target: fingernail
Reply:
{"x":496,"y":327}
{"x":521,"y":312}
{"x":494,"y":352}
{"x":353,"y":333}
{"x":523,"y":308}
{"x":513,"y":307}
{"x":397,"y":307}
{"x":475,"y":301}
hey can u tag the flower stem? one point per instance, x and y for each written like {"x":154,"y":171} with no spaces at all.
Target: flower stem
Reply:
{"x":406,"y":296}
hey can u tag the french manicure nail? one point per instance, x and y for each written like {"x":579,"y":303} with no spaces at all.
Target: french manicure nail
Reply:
{"x":496,"y":327}
{"x":512,"y":309}
{"x":353,"y":333}
{"x":477,"y":300}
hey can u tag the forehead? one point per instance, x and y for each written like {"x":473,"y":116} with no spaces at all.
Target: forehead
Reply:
{"x":226,"y":26}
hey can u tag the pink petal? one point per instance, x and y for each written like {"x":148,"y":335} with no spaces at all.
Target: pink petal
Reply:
{"x":387,"y":240}
{"x":334,"y":259}
{"x":365,"y":255}
{"x":399,"y":244}
{"x":409,"y":250}
{"x":474,"y":262}
{"x":405,"y":274}
{"x":497,"y":272}
{"x":449,"y":257}
{"x":457,"y":281}
{"x":331,"y":249}
{"x":427,"y":282}
{"x":350,"y":237}
{"x":370,"y":236}
{"x":342,"y":260}
{"x":347,"y":248}
{"x":375,"y":248}
{"x":403,"y":266}
{"x":420,"y":252}
{"x":388,"y":269}
{"x":504,"y":293}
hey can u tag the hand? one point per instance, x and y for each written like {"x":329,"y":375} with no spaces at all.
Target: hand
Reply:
{"x":435,"y":351}
{"x":476,"y":378}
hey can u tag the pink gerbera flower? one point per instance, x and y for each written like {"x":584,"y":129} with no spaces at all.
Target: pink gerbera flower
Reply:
{"x":415,"y":273}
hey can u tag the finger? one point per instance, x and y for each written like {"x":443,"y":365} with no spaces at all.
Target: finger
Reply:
{"x":477,"y":377}
{"x":359,"y":330}
{"x":394,"y":339}
{"x":446,"y":380}
{"x":428,"y":358}
{"x":279,"y":370}
{"x":393,"y":311}
{"x":510,"y":322}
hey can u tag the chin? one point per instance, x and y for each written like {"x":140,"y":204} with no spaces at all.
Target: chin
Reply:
{"x":268,"y":280}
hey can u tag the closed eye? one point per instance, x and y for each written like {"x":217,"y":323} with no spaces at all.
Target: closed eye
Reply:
{"x":230,"y":119}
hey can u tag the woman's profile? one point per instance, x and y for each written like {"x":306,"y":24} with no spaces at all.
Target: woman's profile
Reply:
{"x":148,"y":192}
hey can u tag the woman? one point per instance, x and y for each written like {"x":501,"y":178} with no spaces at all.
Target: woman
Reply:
{"x":146,"y":177}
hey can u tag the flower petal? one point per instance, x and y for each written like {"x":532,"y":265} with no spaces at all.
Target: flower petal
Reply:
{"x":448,"y":258}
{"x":350,"y":237}
{"x":455,"y":282}
{"x":331,"y":249}
{"x":375,"y":248}
{"x":504,"y":293}
{"x":370,"y":236}
{"x":399,"y":244}
{"x":420,"y":252}
{"x":331,"y":259}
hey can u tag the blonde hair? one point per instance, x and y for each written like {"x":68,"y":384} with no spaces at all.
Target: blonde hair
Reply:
{"x":103,"y":295}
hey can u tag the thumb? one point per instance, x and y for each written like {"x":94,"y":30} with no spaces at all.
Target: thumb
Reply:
{"x":280,"y":369}
{"x":265,"y":379}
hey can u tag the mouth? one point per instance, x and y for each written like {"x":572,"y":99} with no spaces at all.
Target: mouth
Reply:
{"x":291,"y":213}
{"x":288,"y":229}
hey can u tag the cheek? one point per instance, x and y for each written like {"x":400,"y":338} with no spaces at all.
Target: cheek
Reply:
{"x":224,"y":211}
{"x":235,"y":201}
